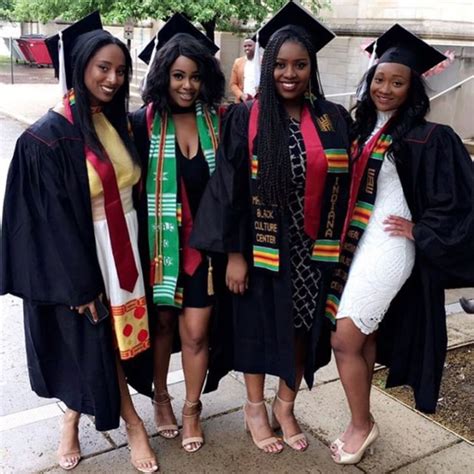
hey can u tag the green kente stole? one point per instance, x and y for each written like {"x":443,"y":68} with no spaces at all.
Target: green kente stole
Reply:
{"x":164,"y":208}
{"x":326,"y":189}
{"x":361,"y":205}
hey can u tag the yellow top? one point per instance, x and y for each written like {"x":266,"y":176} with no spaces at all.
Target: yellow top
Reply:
{"x":126,"y":171}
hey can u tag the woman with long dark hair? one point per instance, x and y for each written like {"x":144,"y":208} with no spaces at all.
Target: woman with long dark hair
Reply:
{"x":409,"y":235}
{"x":276,"y":206}
{"x":70,"y":246}
{"x":176,"y":134}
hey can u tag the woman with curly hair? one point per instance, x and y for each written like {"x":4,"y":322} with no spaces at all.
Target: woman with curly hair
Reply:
{"x":176,"y":134}
{"x":276,"y":207}
{"x":409,"y":235}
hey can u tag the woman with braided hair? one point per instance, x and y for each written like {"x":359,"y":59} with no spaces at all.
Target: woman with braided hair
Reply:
{"x":276,"y":206}
{"x":410,"y":234}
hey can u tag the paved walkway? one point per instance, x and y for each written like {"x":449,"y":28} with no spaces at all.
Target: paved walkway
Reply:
{"x":29,"y":426}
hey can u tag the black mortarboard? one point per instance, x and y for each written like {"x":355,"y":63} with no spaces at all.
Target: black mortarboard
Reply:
{"x":69,"y":35}
{"x":176,"y":24}
{"x":294,"y":14}
{"x":398,"y":45}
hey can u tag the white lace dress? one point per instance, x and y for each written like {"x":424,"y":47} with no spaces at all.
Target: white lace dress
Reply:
{"x":381,"y":263}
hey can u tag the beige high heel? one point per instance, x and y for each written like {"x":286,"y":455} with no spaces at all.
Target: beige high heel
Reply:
{"x":262,"y":444}
{"x":339,"y":443}
{"x":354,"y":458}
{"x":137,"y":463}
{"x":169,"y":431}
{"x":198,"y":440}
{"x":276,"y":425}
{"x":71,"y":459}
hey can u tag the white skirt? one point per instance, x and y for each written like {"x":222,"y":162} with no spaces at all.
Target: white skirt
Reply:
{"x":128,"y":309}
{"x":382,"y":263}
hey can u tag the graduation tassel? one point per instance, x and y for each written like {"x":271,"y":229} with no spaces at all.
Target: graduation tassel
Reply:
{"x":152,"y":59}
{"x":210,"y":282}
{"x":62,"y":66}
{"x":156,"y":271}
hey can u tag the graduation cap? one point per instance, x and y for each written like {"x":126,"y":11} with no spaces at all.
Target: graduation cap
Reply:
{"x":60,"y":47}
{"x":294,"y":14}
{"x":398,"y":45}
{"x":175,"y":25}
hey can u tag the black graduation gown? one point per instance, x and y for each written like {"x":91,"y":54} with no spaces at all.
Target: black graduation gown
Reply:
{"x":49,"y":260}
{"x":261,"y":339}
{"x":437,"y":177}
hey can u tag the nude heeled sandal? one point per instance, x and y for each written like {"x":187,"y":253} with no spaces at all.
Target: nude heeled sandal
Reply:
{"x":262,"y":444}
{"x":71,"y":459}
{"x":137,"y":463}
{"x":292,"y":440}
{"x":199,"y":440}
{"x":165,"y":431}
{"x":354,"y":458}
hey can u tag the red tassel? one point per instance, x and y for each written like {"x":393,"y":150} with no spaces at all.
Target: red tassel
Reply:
{"x":156,"y":271}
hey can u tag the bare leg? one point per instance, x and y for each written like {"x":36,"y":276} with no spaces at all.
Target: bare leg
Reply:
{"x":369,"y":352}
{"x":194,"y":332}
{"x":348,"y":343}
{"x":256,"y":412}
{"x":162,"y":346}
{"x":69,"y":450}
{"x":284,"y":402}
{"x":142,"y":455}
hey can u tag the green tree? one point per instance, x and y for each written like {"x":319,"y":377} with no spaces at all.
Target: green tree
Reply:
{"x":212,"y":14}
{"x":6,"y":9}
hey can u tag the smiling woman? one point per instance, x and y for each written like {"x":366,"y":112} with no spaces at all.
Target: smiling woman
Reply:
{"x":275,"y":207}
{"x":71,"y":226}
{"x":390,"y":85}
{"x":176,"y":134}
{"x":105,"y":74}
{"x":409,"y":235}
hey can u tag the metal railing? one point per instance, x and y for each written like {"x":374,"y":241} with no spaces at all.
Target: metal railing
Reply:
{"x":455,"y":86}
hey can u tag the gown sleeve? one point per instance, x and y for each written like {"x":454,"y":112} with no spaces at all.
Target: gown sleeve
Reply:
{"x":48,"y":248}
{"x":221,"y":223}
{"x":444,"y":234}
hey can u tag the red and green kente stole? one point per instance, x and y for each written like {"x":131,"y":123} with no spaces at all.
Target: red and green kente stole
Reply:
{"x":374,"y":153}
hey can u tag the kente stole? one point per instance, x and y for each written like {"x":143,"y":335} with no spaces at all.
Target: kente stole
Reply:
{"x":165,"y":211}
{"x":361,"y":205}
{"x":327,"y":181}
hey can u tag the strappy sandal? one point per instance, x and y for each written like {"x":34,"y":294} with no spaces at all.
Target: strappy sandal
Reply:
{"x":169,"y":431}
{"x":197,"y":440}
{"x":138,"y":463}
{"x":291,"y":441}
{"x":262,"y":444}
{"x":71,"y":459}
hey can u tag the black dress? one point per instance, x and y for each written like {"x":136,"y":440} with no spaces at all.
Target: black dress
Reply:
{"x":49,"y":260}
{"x":195,"y":174}
{"x":305,"y":276}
